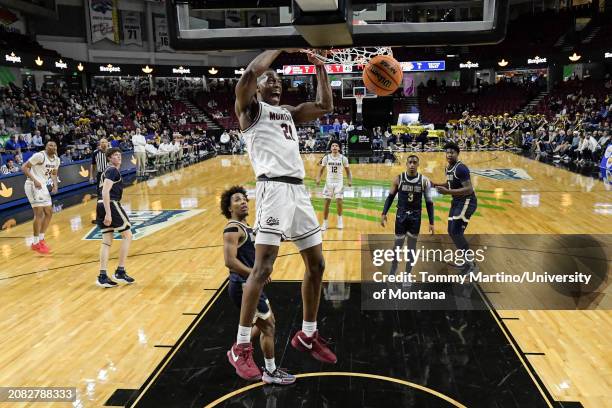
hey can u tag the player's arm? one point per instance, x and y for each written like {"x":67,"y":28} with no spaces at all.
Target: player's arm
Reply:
{"x":55,"y":181}
{"x":27,"y":170}
{"x":246,"y":88}
{"x":309,"y":111}
{"x":349,"y":175}
{"x":321,"y":169}
{"x":389,"y":201}
{"x":231,"y":238}
{"x":463,"y":174}
{"x":106,"y":188}
{"x":428,"y":203}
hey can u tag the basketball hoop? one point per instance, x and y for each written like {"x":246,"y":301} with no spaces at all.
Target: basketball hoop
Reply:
{"x":359,"y":101}
{"x":348,"y":56}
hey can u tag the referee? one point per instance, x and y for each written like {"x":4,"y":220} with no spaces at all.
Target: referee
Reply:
{"x":98,"y":164}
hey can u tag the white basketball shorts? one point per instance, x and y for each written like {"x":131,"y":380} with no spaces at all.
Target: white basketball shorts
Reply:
{"x":284,"y":212}
{"x":38,"y":197}
{"x":334,"y":190}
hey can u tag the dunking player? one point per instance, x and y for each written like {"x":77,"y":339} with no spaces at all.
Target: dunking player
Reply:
{"x":334,"y":184}
{"x":459,"y":185}
{"x":41,"y":167}
{"x":412,"y":187}
{"x":239,"y":254}
{"x":111,"y":218}
{"x":284,"y":210}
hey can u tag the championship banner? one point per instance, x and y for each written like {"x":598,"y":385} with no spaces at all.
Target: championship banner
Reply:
{"x":162,"y":42}
{"x":132,"y":32}
{"x":104,"y":20}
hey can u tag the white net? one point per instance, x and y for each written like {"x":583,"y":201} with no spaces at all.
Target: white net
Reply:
{"x":348,"y":56}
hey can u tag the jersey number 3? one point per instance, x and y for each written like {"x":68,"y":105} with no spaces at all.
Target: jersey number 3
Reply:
{"x":288,"y":131}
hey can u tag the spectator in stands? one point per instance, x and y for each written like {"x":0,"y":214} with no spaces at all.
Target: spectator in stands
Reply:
{"x":586,"y":148}
{"x":604,"y":140}
{"x":310,"y":144}
{"x":139,"y":142}
{"x":165,"y":151}
{"x":12,"y":145}
{"x":152,"y":152}
{"x":9,"y":168}
{"x":337,"y":126}
{"x":23,"y":145}
{"x":18,"y":160}
{"x":527,"y":142}
{"x":66,"y":158}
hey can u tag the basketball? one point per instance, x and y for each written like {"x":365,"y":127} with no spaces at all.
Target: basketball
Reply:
{"x":382,"y":75}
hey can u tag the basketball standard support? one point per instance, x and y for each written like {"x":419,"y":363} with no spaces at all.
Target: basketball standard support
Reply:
{"x":324,"y":23}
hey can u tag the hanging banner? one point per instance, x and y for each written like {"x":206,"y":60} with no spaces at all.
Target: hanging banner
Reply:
{"x":11,"y":21}
{"x":162,"y":42}
{"x":132,"y":33}
{"x":103,"y":18}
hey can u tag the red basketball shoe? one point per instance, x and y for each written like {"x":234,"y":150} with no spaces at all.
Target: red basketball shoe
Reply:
{"x":315,"y":345}
{"x":241,"y":357}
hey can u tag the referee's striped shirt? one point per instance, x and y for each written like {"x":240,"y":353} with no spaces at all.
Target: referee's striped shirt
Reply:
{"x":99,"y":159}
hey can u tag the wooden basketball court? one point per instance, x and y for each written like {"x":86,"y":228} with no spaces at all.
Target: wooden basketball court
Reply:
{"x":58,"y":329}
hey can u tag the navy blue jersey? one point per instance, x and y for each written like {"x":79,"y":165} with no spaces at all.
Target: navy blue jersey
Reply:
{"x":113,"y":174}
{"x":455,"y":176}
{"x":246,"y":249}
{"x":411,"y":191}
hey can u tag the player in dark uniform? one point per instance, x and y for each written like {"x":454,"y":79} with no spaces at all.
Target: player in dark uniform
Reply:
{"x":239,"y":254}
{"x":111,"y":218}
{"x":411,"y":188}
{"x":459,"y":185}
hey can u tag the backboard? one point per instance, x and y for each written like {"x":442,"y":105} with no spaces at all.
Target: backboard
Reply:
{"x":204,"y":25}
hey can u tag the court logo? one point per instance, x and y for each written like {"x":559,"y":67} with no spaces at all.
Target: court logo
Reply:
{"x":503,"y":174}
{"x":145,"y":223}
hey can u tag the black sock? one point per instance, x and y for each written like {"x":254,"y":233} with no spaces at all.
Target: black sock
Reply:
{"x":102,"y":273}
{"x":121,"y":269}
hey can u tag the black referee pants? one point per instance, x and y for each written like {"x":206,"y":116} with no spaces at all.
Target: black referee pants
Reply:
{"x":98,"y":187}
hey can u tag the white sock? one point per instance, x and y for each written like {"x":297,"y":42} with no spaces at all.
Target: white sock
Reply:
{"x":244,"y":335}
{"x":309,"y":328}
{"x":339,"y":218}
{"x":41,"y":236}
{"x":270,"y":365}
{"x":35,"y":240}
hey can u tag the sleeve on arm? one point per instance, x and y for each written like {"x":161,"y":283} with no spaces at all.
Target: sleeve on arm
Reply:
{"x":37,"y":158}
{"x":427,"y":189}
{"x":113,"y":174}
{"x":462,"y":172}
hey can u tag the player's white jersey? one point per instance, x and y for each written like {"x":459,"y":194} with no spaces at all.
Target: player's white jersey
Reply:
{"x":335,"y":168}
{"x":43,"y":166}
{"x":273,"y":145}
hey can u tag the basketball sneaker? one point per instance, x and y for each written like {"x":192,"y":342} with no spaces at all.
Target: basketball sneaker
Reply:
{"x":315,"y":345}
{"x":105,"y":282}
{"x":42,"y":247}
{"x":278,"y":377}
{"x":35,"y":247}
{"x":241,"y":357}
{"x":122,"y":276}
